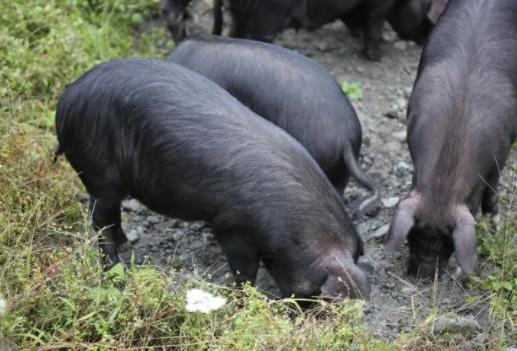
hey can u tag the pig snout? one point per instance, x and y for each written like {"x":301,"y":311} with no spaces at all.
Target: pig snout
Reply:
{"x":344,"y":279}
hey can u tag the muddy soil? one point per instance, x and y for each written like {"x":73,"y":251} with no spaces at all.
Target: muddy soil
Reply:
{"x":398,"y":302}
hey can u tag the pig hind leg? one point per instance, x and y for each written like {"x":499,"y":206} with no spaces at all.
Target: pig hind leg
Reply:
{"x":105,"y":201}
{"x":106,"y":218}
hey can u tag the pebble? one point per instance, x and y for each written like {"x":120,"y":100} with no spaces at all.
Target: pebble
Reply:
{"x":389,"y":36}
{"x":134,"y":234}
{"x":407,"y":92}
{"x":390,"y":202}
{"x":403,"y":166}
{"x":400,"y":136}
{"x":401,"y":104}
{"x":455,"y":324}
{"x":400,"y":45}
{"x":393,"y":113}
{"x":409,"y":290}
{"x":380,"y":232}
{"x":153,"y":219}
{"x":133,"y":205}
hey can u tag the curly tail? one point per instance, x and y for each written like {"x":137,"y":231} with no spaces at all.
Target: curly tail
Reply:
{"x":365,"y":203}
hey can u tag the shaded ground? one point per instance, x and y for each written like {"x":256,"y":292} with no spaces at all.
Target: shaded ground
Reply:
{"x":398,"y":303}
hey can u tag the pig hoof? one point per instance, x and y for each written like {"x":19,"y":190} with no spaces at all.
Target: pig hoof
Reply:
{"x":373,"y":54}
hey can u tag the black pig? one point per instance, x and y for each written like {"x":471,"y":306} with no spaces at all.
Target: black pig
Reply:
{"x":290,"y":90}
{"x":264,"y":19}
{"x":462,"y":122}
{"x":186,"y":148}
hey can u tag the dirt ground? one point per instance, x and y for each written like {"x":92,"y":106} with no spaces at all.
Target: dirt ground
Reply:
{"x":398,"y":302}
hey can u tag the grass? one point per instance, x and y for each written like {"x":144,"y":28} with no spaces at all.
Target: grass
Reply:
{"x":58,"y":298}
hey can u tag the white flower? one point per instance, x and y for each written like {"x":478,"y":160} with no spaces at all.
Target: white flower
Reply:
{"x":202,"y":301}
{"x":3,"y":306}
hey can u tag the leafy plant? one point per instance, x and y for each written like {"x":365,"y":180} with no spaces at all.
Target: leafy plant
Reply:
{"x":352,"y":90}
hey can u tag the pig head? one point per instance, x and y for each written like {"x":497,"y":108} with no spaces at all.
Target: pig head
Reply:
{"x":414,"y":19}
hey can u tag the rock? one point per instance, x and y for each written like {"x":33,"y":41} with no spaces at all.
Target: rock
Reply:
{"x":133,"y":205}
{"x":403,"y":167}
{"x":153,"y":219}
{"x":407,"y":92}
{"x":390,"y":201}
{"x":400,"y":136}
{"x":454,"y":324}
{"x":400,"y":45}
{"x":393,"y":113}
{"x":409,"y":290}
{"x":389,"y":36}
{"x":134,"y":234}
{"x":401,"y":104}
{"x":380,"y":232}
{"x":322,"y":46}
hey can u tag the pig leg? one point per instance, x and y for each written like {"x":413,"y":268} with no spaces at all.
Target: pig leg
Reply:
{"x":106,"y":218}
{"x":353,"y":22}
{"x":376,"y":12}
{"x":489,"y":202}
{"x":242,"y":258}
{"x":372,"y":39}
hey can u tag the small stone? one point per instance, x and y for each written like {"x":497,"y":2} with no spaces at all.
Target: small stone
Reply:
{"x":409,"y":290}
{"x":403,"y":166}
{"x":455,"y":324}
{"x":407,"y":92}
{"x":380,"y":232}
{"x":401,"y":103}
{"x":400,"y":45}
{"x":389,"y":36}
{"x":178,"y":235}
{"x":133,"y":235}
{"x":393,"y":113}
{"x":390,"y":201}
{"x":400,"y":136}
{"x":153,"y":219}
{"x":133,"y":205}
{"x":322,"y":46}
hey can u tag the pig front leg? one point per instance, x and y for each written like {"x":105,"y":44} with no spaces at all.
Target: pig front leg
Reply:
{"x":106,"y":218}
{"x":241,"y":256}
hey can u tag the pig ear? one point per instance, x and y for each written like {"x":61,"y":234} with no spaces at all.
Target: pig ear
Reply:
{"x":436,"y":9}
{"x":402,"y":223}
{"x":464,"y":238}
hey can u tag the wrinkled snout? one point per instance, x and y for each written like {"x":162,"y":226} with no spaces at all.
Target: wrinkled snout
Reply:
{"x":345,"y":279}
